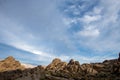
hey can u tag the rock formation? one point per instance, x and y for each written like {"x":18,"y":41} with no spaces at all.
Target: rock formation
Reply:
{"x":58,"y":70}
{"x":10,"y":64}
{"x":73,"y":66}
{"x":56,"y":65}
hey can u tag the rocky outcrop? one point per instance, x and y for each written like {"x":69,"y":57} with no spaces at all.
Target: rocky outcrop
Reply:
{"x":26,"y":74}
{"x":32,"y":74}
{"x":59,"y":70}
{"x":107,"y":70}
{"x":73,"y":66}
{"x":56,"y":65}
{"x":10,"y":64}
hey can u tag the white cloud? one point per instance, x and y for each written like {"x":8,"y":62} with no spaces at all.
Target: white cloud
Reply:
{"x":97,"y":10}
{"x":42,"y":56}
{"x":93,"y":59}
{"x":105,"y":19}
{"x":48,"y":57}
{"x":89,"y":32}
{"x":69,"y":21}
{"x":88,"y":19}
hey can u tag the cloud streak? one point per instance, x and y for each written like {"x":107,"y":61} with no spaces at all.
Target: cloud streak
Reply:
{"x":65,"y":29}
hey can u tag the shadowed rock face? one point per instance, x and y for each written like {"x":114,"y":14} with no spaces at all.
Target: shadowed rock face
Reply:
{"x":58,"y":70}
{"x":119,"y":57}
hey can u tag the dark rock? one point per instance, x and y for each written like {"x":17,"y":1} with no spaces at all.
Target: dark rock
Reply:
{"x":119,"y":57}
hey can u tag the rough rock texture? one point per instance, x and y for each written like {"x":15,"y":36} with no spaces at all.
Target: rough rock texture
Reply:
{"x":10,"y":64}
{"x":88,"y":69}
{"x":32,"y":74}
{"x":27,"y":74}
{"x":56,"y":65}
{"x":58,"y":70}
{"x":73,"y":66}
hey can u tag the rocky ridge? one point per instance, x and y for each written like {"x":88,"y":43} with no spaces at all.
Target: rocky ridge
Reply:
{"x":59,"y":70}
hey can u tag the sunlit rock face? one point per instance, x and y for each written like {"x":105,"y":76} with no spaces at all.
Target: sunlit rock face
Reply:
{"x":56,"y":65}
{"x":10,"y":64}
{"x":59,"y":70}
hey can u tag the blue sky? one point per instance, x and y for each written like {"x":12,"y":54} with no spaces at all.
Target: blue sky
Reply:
{"x":37,"y":31}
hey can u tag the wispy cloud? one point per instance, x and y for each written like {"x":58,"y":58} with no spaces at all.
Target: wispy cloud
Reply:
{"x":100,"y":24}
{"x":64,"y":29}
{"x":89,"y":32}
